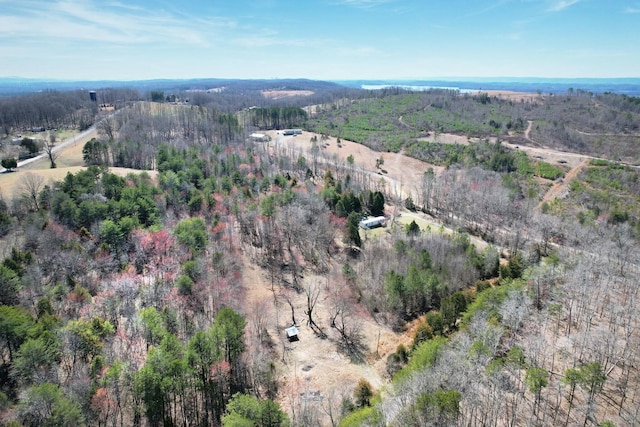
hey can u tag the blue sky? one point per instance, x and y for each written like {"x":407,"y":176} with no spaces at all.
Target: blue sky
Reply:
{"x":319,"y":39}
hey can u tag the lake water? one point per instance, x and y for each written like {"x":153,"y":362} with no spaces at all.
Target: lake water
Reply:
{"x":627,"y":86}
{"x":419,"y":88}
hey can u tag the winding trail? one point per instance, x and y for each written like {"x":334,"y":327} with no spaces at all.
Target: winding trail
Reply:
{"x":401,"y":121}
{"x":527,"y":132}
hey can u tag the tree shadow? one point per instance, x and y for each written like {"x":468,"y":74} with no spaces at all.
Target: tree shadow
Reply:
{"x":355,"y":349}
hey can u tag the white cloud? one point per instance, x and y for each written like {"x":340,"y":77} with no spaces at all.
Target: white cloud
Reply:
{"x":632,"y":9}
{"x":111,"y":22}
{"x":124,"y":6}
{"x":559,"y":5}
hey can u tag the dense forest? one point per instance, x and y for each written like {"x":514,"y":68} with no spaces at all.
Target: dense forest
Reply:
{"x":130,"y":299}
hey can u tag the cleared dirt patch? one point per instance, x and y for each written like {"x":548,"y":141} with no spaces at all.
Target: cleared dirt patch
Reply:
{"x":402,"y":172}
{"x":560,"y":188}
{"x":447,"y":138}
{"x":280,"y":94}
{"x":514,"y":96}
{"x":312,"y":368}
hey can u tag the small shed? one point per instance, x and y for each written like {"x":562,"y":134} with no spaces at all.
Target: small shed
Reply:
{"x":292,"y":333}
{"x":259,"y":137}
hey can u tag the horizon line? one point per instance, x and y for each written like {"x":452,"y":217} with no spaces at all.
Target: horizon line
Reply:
{"x":434,"y":78}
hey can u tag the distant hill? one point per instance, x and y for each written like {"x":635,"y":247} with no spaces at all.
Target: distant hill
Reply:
{"x":17,"y":85}
{"x":626,"y":86}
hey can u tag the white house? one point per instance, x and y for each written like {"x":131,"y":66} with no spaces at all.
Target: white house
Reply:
{"x":372,"y":222}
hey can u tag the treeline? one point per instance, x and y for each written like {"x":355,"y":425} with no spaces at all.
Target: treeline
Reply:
{"x":132,"y":137}
{"x":44,"y":110}
{"x":232,"y":96}
{"x":489,"y":156}
{"x":55,"y":109}
{"x":277,"y":117}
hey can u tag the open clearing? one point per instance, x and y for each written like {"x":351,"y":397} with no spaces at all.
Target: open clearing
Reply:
{"x":514,"y":96}
{"x":281,"y":94}
{"x":312,"y":368}
{"x":402,"y":172}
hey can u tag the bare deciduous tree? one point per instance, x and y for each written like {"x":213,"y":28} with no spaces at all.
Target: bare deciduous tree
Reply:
{"x":107,"y":126}
{"x":49,"y":149}
{"x":312,"y":293}
{"x":349,"y":326}
{"x":286,"y":297}
{"x":31,"y":185}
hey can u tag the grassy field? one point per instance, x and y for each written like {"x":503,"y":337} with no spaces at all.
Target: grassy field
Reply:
{"x":69,"y":161}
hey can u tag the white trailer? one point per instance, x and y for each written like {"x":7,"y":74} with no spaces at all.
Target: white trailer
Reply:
{"x":372,"y":222}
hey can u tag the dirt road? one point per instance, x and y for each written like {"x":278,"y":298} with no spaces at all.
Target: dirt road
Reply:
{"x":561,"y":188}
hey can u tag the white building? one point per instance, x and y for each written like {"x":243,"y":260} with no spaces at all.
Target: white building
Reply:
{"x":372,"y":222}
